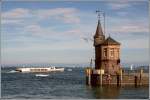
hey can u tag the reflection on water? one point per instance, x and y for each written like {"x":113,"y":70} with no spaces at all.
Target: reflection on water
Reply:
{"x":123,"y":92}
{"x":106,"y":92}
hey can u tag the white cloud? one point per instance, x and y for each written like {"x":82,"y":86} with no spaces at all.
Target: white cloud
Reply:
{"x":37,"y":30}
{"x":120,"y":4}
{"x":18,"y":16}
{"x":129,"y":28}
{"x":121,"y":25}
{"x":43,"y":13}
{"x":123,"y":4}
{"x":66,"y":15}
{"x":34,"y":29}
{"x":16,"y":13}
{"x":69,"y":18}
{"x":117,"y":6}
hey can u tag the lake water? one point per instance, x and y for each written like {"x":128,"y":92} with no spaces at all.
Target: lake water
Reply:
{"x":61,"y":85}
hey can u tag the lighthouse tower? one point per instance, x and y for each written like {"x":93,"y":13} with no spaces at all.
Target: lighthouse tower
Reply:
{"x":107,"y":51}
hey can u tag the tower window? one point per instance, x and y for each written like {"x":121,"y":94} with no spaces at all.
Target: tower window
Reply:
{"x":105,"y":52}
{"x":112,"y":52}
{"x":118,"y":52}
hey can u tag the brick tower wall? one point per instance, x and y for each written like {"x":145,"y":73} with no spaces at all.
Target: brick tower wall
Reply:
{"x":106,"y":60}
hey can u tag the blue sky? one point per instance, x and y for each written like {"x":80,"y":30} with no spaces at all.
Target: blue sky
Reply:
{"x":53,"y":32}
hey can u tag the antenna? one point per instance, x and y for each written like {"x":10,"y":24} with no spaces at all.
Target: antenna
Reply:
{"x":104,"y":21}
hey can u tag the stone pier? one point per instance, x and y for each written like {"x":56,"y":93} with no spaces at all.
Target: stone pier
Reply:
{"x":98,"y":78}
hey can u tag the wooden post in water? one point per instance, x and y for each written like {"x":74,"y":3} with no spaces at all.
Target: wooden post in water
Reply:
{"x":101,"y":72}
{"x":88,"y":76}
{"x":135,"y":80}
{"x":101,"y":77}
{"x":120,"y":76}
{"x":141,"y":73}
{"x":118,"y":79}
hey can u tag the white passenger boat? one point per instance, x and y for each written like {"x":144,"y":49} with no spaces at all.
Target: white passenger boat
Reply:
{"x":39,"y":69}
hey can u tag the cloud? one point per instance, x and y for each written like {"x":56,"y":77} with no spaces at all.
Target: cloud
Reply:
{"x":44,"y":13}
{"x":16,"y":16}
{"x":68,"y":15}
{"x":37,"y":30}
{"x":123,"y":13}
{"x":117,"y":5}
{"x":129,"y":28}
{"x":16,"y":13}
{"x":69,"y":18}
{"x":24,"y":15}
{"x":11,"y":21}
{"x":124,"y":4}
{"x":34,"y":29}
{"x":126,"y":25}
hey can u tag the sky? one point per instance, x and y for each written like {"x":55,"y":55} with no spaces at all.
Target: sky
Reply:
{"x":55,"y":32}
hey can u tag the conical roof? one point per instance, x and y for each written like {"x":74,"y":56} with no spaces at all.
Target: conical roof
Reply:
{"x":99,"y":30}
{"x":110,"y":41}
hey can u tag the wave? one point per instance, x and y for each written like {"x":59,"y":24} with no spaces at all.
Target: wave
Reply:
{"x":69,"y":69}
{"x":41,"y":75}
{"x":12,"y":71}
{"x":30,"y":96}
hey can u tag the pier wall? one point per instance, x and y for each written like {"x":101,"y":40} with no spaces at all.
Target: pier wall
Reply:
{"x":136,"y":79}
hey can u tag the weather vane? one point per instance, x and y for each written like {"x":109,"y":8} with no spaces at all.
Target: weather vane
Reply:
{"x":98,"y":12}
